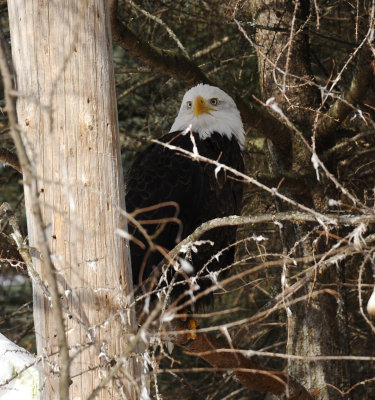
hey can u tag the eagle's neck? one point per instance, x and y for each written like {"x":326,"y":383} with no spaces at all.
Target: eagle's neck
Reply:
{"x":225,"y":124}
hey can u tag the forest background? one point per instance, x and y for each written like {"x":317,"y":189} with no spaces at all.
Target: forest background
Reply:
{"x":302,"y":75}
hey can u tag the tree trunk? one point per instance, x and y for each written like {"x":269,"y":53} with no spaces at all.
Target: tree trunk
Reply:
{"x":67,"y":115}
{"x":284,"y":67}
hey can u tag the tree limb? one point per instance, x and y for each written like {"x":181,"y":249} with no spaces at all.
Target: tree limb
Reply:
{"x":341,"y":108}
{"x":7,"y":157}
{"x":244,"y":370}
{"x":164,"y":61}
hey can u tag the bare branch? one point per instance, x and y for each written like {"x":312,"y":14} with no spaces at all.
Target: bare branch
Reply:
{"x":161,"y":60}
{"x":248,"y":373}
{"x":163,"y":24}
{"x":248,"y":179}
{"x":341,"y":108}
{"x":7,"y":157}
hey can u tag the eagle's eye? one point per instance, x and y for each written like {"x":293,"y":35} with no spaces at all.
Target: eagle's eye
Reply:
{"x":214,"y":101}
{"x":189,"y":104}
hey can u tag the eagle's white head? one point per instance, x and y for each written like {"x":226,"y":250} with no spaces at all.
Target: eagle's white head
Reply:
{"x":209,"y":109}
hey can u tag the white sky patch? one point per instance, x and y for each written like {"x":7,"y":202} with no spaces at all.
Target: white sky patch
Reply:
{"x":67,"y":293}
{"x":186,"y":266}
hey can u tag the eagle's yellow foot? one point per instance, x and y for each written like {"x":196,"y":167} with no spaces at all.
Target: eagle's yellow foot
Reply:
{"x":192,"y":325}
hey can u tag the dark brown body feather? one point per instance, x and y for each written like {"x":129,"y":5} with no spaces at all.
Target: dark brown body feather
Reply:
{"x":159,"y":175}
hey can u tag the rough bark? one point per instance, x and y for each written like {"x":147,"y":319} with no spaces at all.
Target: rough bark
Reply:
{"x":284,"y":66}
{"x":355,"y":94}
{"x":67,"y":117}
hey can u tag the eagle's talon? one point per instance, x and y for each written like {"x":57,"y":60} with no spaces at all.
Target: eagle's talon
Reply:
{"x":192,"y":325}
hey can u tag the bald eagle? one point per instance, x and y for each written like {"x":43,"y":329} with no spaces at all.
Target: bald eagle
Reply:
{"x":171,"y":194}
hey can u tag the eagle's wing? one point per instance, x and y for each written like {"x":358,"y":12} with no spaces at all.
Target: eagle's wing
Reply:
{"x":201,"y":191}
{"x":159,"y":175}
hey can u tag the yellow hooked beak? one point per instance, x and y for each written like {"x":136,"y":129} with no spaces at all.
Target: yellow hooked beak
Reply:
{"x":201,"y":107}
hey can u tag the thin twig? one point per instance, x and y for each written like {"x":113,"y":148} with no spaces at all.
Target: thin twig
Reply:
{"x":163,"y":24}
{"x":320,"y":217}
